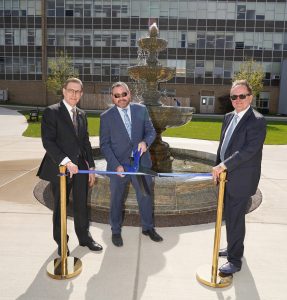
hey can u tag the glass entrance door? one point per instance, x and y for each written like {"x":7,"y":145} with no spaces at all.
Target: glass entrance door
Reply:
{"x":207,"y":104}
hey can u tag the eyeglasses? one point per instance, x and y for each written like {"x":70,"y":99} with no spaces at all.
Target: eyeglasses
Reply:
{"x":120,"y":95}
{"x":241,"y":96}
{"x":74,"y":92}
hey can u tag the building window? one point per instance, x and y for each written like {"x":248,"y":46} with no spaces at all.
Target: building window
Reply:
{"x":124,"y":70}
{"x":87,"y":10}
{"x":262,"y":102}
{"x":31,"y":37}
{"x":97,"y":69}
{"x":201,"y":40}
{"x":190,"y":66}
{"x":220,"y":41}
{"x":69,"y":13}
{"x":2,"y":64}
{"x":183,"y":40}
{"x":260,"y":17}
{"x":228,"y":67}
{"x":239,"y":45}
{"x":199,"y":69}
{"x":87,"y":68}
{"x":210,"y":41}
{"x":115,"y":70}
{"x":106,"y":70}
{"x":9,"y":39}
{"x":87,"y":40}
{"x":51,"y":40}
{"x":218,"y":69}
{"x":133,"y":38}
{"x":250,"y":15}
{"x":241,"y":11}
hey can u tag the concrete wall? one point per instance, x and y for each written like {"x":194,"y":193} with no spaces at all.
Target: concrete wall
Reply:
{"x":24,"y":92}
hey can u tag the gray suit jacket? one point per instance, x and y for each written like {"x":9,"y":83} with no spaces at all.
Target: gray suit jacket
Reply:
{"x":244,"y":153}
{"x":115,"y":143}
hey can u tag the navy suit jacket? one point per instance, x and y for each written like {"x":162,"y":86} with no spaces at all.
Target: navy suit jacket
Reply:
{"x":60,"y":140}
{"x":243,"y":154}
{"x":115,"y":143}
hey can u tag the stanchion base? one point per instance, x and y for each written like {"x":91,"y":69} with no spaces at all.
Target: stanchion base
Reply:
{"x":72,"y":269}
{"x":203,"y":275}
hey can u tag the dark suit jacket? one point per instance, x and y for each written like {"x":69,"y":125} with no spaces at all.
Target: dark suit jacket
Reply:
{"x":60,"y":140}
{"x":115,"y":143}
{"x":244,"y":153}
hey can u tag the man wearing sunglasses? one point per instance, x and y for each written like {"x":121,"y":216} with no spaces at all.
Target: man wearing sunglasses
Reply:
{"x":239,"y":154}
{"x":124,"y":129}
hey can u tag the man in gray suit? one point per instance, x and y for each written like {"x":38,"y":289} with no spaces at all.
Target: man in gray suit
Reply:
{"x":124,"y":128}
{"x":240,"y":154}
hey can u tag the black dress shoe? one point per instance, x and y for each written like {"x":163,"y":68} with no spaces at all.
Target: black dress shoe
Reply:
{"x":59,"y":251}
{"x":153,"y":235}
{"x":92,"y":245}
{"x":229,"y":268}
{"x":117,"y":240}
{"x":222,"y":252}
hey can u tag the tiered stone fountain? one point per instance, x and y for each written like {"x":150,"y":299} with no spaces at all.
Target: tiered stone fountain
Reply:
{"x":150,"y":75}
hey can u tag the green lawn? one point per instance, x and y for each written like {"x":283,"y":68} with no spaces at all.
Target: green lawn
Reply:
{"x":205,"y":129}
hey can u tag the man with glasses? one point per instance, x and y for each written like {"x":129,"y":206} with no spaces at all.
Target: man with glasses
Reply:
{"x":125,"y":128}
{"x":65,"y":138}
{"x":239,"y":154}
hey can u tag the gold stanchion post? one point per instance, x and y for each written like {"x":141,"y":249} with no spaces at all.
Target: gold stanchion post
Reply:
{"x":66,"y":266}
{"x":204,"y":275}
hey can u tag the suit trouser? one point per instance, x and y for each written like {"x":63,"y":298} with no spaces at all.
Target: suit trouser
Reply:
{"x":79,"y":186}
{"x":234,"y":212}
{"x":118,"y":189}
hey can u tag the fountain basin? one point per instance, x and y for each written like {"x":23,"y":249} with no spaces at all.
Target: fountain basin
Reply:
{"x":177,"y":201}
{"x":152,"y":44}
{"x":169,"y":116}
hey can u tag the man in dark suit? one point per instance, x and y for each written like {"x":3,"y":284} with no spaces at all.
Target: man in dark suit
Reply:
{"x":239,"y":154}
{"x":65,"y":138}
{"x":124,"y":128}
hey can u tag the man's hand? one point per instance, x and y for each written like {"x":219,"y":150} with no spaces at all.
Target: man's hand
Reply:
{"x":72,"y":168}
{"x":92,"y":179}
{"x":120,"y":169}
{"x":142,"y":146}
{"x":216,"y":172}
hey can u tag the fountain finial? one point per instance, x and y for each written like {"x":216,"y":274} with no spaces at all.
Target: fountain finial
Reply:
{"x":153,"y":30}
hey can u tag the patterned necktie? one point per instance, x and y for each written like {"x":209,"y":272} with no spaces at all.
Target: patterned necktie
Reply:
{"x":75,"y":121}
{"x":228,"y":136}
{"x":127,"y":122}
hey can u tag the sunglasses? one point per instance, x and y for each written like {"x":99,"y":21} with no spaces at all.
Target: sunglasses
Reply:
{"x":241,"y":96}
{"x":120,"y":95}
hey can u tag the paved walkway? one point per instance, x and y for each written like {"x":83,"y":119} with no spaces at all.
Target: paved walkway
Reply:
{"x":141,"y":269}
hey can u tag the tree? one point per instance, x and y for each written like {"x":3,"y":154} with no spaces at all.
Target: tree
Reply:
{"x":254,"y":74}
{"x":60,"y":69}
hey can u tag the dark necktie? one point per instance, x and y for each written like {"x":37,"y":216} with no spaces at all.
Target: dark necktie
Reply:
{"x":75,"y":121}
{"x":127,"y":122}
{"x":228,"y":135}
